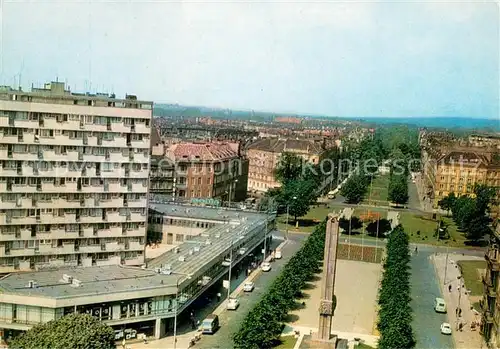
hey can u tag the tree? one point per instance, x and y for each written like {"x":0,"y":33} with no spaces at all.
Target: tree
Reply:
{"x":354,"y":189}
{"x":395,"y":314}
{"x":304,"y":193}
{"x":447,"y":202}
{"x":354,"y":223}
{"x":76,"y":331}
{"x":485,"y":196}
{"x":478,"y":228}
{"x":154,"y":236}
{"x":442,"y":230}
{"x":398,"y":189}
{"x":289,"y":167}
{"x":379,"y":227}
{"x":263,"y":324}
{"x":464,"y":210}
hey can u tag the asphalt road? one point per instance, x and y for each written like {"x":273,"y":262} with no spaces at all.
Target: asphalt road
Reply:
{"x":425,"y":288}
{"x":231,"y":320}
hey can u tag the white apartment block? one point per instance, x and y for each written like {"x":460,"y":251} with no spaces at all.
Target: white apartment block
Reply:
{"x":73,"y":178}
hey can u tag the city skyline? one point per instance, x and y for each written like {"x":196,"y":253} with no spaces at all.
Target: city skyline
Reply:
{"x":362,"y":59}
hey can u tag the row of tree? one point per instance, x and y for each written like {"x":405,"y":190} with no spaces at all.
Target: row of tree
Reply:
{"x":376,"y":228}
{"x":300,"y":181}
{"x":398,"y":188}
{"x":263,"y":325}
{"x":471,"y":213}
{"x":366,"y":156}
{"x":395,"y":313}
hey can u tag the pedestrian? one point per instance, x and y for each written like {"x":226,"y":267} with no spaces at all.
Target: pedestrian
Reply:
{"x":218,"y":296}
{"x":449,"y":288}
{"x":123,"y":343}
{"x":460,"y":326}
{"x":459,"y":312}
{"x":456,"y":311}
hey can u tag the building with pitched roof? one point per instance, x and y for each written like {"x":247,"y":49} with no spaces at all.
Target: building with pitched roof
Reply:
{"x":264,"y":155}
{"x":208,"y":170}
{"x":458,"y":169}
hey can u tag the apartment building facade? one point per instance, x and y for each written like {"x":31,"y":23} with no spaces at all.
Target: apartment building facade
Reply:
{"x":457,"y":170}
{"x":264,"y":156}
{"x":490,"y":304}
{"x":73,"y":178}
{"x":208,"y":170}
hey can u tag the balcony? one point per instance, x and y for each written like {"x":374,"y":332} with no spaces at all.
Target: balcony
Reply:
{"x":492,"y":256}
{"x":489,"y":288}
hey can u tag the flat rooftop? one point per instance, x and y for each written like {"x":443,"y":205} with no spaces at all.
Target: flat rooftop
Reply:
{"x":204,"y":248}
{"x":94,"y":280}
{"x":204,"y":212}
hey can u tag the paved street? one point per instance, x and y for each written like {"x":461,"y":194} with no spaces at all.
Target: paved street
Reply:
{"x":425,"y":288}
{"x":231,"y":320}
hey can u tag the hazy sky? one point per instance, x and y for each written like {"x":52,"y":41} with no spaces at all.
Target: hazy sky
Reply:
{"x":334,"y":58}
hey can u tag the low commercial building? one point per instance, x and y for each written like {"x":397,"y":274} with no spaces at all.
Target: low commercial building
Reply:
{"x":179,"y":223}
{"x":145,"y":298}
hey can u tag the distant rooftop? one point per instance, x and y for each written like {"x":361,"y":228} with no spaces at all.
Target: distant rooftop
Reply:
{"x":203,"y":151}
{"x":276,"y":145}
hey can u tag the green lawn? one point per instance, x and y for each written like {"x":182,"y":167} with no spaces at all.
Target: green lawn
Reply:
{"x":316,"y":215}
{"x":471,"y":272}
{"x":379,"y":191}
{"x":287,"y":342}
{"x":363,"y":346}
{"x":421,"y":228}
{"x":308,"y":222}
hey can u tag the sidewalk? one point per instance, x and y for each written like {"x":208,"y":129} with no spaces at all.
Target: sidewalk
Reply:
{"x":457,"y":298}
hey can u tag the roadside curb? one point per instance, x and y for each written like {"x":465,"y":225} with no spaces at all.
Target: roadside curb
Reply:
{"x":250,"y":278}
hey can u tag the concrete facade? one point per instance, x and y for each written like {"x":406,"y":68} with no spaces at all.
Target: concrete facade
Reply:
{"x":490,"y":304}
{"x":73,"y":180}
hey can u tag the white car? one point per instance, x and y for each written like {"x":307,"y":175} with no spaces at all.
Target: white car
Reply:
{"x":445,"y":328}
{"x":248,"y":287}
{"x":233,"y":304}
{"x":266,"y":266}
{"x":277,"y":254}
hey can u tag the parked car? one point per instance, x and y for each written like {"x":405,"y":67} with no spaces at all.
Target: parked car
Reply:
{"x":445,"y":328}
{"x":210,"y":325}
{"x":277,"y":254}
{"x":233,"y":304}
{"x":248,"y":287}
{"x":266,"y":266}
{"x":440,"y":305}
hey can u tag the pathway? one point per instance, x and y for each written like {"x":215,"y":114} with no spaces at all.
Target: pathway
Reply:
{"x":457,"y":298}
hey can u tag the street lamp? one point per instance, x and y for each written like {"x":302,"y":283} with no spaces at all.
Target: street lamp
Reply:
{"x":265,"y":231}
{"x":188,"y":276}
{"x":287,"y":216}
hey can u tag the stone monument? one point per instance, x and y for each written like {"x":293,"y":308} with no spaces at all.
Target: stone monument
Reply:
{"x":324,"y":339}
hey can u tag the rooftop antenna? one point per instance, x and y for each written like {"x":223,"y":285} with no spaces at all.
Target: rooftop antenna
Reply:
{"x":21,"y":74}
